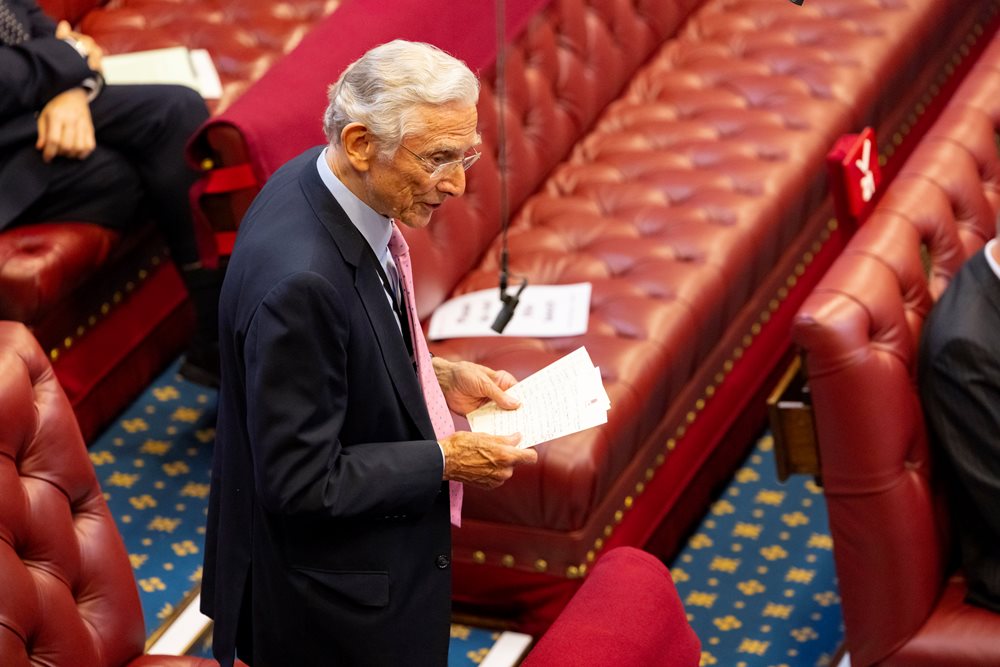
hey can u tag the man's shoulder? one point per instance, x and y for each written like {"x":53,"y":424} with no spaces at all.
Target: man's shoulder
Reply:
{"x":281,"y":194}
{"x":294,"y":166}
{"x":962,"y":311}
{"x":291,"y":171}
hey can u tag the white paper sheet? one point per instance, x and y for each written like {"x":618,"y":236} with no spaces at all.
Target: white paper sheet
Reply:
{"x":544,"y":311}
{"x":564,"y":397}
{"x":175,"y":64}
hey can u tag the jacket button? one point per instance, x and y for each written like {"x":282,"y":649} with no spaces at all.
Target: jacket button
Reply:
{"x":443,"y":561}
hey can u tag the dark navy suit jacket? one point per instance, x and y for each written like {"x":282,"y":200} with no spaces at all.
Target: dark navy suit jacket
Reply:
{"x":328,"y":518}
{"x":960,"y":389}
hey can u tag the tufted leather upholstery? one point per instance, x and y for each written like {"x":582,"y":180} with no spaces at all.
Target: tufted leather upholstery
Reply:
{"x":245,"y":37}
{"x":902,"y":603}
{"x":69,"y":597}
{"x":677,"y":207}
{"x":41,"y":264}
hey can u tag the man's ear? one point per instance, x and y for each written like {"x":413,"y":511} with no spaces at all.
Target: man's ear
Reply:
{"x":359,"y":146}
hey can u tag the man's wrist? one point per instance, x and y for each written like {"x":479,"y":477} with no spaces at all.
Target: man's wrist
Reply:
{"x":93,"y":85}
{"x":78,"y":46}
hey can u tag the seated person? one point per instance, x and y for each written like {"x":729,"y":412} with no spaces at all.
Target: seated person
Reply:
{"x":960,"y":391}
{"x":72,"y":149}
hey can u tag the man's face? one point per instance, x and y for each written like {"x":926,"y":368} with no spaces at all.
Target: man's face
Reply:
{"x":402,"y":188}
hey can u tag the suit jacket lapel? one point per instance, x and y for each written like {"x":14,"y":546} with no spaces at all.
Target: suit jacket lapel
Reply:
{"x":352,"y":246}
{"x":989,"y":281}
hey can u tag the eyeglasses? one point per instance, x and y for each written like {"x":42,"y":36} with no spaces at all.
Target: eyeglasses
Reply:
{"x":436,"y":166}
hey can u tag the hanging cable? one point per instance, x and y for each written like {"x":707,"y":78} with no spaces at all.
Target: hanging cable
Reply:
{"x":509,"y":301}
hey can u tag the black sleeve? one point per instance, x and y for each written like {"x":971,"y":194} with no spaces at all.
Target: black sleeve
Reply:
{"x":961,"y":392}
{"x":33,"y":73}
{"x":39,"y":23}
{"x":297,"y":388}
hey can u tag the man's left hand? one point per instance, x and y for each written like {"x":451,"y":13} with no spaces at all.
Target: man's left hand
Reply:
{"x":468,"y":386}
{"x":94,"y":52}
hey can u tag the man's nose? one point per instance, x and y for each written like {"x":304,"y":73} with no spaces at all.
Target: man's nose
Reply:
{"x":453,"y":182}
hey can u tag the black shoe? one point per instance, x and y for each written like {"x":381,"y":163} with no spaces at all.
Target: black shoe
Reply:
{"x":201,"y":366}
{"x":201,"y":361}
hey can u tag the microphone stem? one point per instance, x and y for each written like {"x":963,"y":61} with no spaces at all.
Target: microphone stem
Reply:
{"x":501,"y":104}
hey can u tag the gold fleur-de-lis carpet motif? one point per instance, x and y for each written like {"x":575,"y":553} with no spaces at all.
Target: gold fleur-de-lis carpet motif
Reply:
{"x":757,"y":577}
{"x":154,"y":465}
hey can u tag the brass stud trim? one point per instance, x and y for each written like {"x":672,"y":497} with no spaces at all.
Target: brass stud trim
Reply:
{"x":104,"y":309}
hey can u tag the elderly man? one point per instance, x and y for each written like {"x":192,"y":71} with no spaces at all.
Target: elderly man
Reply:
{"x":336,"y":459}
{"x":960,"y":391}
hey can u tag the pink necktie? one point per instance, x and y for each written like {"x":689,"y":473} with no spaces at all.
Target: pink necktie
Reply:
{"x":437,"y":406}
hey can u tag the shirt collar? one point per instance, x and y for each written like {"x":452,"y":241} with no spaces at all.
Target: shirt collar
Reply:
{"x":990,"y":245}
{"x":375,"y":227}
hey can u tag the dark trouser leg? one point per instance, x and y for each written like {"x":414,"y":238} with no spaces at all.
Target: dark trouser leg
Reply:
{"x":103,"y":189}
{"x":150,"y":126}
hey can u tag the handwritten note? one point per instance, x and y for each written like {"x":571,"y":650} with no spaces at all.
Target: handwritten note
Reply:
{"x":564,"y":397}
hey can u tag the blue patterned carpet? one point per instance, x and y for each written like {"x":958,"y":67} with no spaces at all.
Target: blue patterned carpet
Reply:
{"x":756,"y":578}
{"x":154,"y":464}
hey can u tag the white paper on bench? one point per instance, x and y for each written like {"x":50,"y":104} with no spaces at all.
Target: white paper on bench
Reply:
{"x":174,"y":64}
{"x":544,"y":311}
{"x":564,"y":397}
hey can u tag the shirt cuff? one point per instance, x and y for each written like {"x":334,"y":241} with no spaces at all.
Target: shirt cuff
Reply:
{"x":93,"y":85}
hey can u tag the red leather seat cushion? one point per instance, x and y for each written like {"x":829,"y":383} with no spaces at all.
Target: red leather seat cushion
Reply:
{"x":41,"y":264}
{"x":626,"y":613}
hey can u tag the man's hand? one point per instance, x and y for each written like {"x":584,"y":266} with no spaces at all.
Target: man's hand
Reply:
{"x":65,"y":127}
{"x":94,"y":52}
{"x":483,"y":460}
{"x":467,"y":386}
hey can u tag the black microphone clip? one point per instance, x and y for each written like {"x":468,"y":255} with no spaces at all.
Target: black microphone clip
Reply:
{"x":510,"y":302}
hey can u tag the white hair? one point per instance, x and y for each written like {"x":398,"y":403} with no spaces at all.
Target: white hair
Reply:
{"x":382,"y":90}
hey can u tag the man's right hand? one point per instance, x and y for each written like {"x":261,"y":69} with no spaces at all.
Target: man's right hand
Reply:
{"x":483,"y":460}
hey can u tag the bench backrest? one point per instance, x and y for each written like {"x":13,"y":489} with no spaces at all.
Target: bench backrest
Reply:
{"x":566,"y":61}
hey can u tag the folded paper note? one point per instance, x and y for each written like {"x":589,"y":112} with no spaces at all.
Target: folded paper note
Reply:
{"x":564,"y":397}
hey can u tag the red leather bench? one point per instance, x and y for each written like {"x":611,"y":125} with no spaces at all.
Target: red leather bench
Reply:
{"x":901,"y":596}
{"x":683,"y":177}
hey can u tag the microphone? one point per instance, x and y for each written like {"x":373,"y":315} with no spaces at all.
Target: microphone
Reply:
{"x":509,"y":301}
